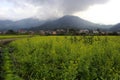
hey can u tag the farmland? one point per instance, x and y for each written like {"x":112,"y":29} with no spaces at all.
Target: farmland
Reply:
{"x":12,"y":36}
{"x":62,"y":58}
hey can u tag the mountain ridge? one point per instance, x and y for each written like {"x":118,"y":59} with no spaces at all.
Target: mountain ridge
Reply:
{"x":115,"y":27}
{"x":24,"y":23}
{"x":69,"y":22}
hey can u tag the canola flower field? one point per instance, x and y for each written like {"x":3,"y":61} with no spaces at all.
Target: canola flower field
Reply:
{"x":62,"y":58}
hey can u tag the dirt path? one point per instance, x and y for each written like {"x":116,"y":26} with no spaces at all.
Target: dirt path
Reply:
{"x":6,"y":41}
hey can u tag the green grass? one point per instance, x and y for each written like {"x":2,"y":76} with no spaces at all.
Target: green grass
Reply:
{"x":12,"y":36}
{"x":65,"y":58}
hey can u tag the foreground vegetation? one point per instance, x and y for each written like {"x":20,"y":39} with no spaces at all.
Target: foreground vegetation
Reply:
{"x":63,"y":58}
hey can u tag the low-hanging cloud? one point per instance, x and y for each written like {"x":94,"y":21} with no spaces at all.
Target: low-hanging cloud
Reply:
{"x":55,"y":8}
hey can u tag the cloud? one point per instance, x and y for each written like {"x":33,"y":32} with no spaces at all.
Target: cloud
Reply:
{"x":67,"y":6}
{"x":53,"y":8}
{"x":78,"y":5}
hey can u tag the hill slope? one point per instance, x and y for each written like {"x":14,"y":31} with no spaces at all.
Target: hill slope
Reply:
{"x":115,"y":28}
{"x":5,"y":24}
{"x":64,"y":22}
{"x":24,"y":23}
{"x":68,"y":22}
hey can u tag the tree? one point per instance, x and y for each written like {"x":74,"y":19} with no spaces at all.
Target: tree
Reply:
{"x":10,"y":32}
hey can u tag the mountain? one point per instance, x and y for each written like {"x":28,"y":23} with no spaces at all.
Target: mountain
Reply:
{"x":27,"y":23}
{"x":115,"y":28}
{"x":24,"y":23}
{"x":68,"y":22}
{"x":63,"y":22}
{"x":5,"y":24}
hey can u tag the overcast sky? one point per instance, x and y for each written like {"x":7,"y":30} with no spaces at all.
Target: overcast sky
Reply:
{"x":98,"y":11}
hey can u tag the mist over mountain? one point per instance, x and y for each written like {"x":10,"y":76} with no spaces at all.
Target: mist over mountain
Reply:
{"x":21,"y":24}
{"x":27,"y":23}
{"x":116,"y":27}
{"x":5,"y":24}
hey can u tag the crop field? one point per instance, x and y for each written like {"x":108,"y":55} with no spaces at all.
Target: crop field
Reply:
{"x":62,"y":58}
{"x":11,"y":36}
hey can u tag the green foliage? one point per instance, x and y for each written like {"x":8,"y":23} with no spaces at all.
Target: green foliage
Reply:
{"x":8,"y":73}
{"x":66,"y":58}
{"x":11,"y":32}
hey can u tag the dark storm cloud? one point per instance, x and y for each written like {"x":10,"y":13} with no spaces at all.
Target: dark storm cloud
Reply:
{"x":72,"y":6}
{"x":55,"y":8}
{"x":64,"y":6}
{"x":67,"y":6}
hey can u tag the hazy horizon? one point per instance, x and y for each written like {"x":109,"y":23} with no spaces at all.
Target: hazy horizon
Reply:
{"x":103,"y":11}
